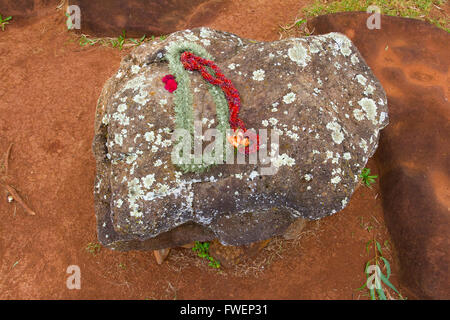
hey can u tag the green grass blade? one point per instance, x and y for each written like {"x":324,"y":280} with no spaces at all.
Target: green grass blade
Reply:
{"x":367,"y":246}
{"x":378,"y":247}
{"x":381,"y":294}
{"x":388,"y":283}
{"x":388,"y":267}
{"x":372,"y":294}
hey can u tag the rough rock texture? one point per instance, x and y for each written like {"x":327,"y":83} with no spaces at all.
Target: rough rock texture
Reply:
{"x":150,"y":17}
{"x":316,"y":92}
{"x":411,"y":60}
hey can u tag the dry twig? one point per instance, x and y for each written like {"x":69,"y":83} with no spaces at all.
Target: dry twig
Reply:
{"x":9,"y":188}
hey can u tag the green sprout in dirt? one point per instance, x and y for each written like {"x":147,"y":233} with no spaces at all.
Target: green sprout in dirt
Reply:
{"x":69,"y":22}
{"x":377,"y":282}
{"x":93,"y":248}
{"x":118,"y":43}
{"x":202,"y":249}
{"x":84,"y":40}
{"x":4,"y":22}
{"x":138,"y":42}
{"x":366,"y":178}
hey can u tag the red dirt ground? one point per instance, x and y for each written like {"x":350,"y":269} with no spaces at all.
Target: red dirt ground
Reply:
{"x":48,"y":92}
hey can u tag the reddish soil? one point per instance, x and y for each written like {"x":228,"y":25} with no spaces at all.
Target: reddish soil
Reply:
{"x":48,"y":95}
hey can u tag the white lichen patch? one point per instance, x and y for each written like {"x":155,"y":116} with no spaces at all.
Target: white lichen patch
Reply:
{"x":149,"y":136}
{"x":205,"y":42}
{"x":118,"y":139}
{"x":308,"y":177}
{"x":343,"y":42}
{"x":335,"y":180}
{"x":135,"y":193}
{"x":191,"y":37}
{"x":294,"y":136}
{"x":315,"y":46}
{"x":135,"y":69}
{"x":346,"y":156}
{"x":336,"y":133}
{"x":106,"y":118}
{"x":205,"y":33}
{"x":140,"y":98}
{"x":358,"y":114}
{"x":382,"y":117}
{"x":131,"y":158}
{"x":370,"y":108}
{"x":363,"y":145}
{"x":336,"y":158}
{"x":253,"y":175}
{"x":158,"y":163}
{"x":259,"y":75}
{"x":273,"y":121}
{"x":354,"y":59}
{"x":298,"y":54}
{"x":289,"y":98}
{"x":369,"y":90}
{"x":283,"y":160}
{"x":121,"y":107}
{"x":361,"y":79}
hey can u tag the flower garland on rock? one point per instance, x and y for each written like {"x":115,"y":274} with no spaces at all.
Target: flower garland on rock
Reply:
{"x":190,"y":55}
{"x":183,"y":97}
{"x":244,"y":142}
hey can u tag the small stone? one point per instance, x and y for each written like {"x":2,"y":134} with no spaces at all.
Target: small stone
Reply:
{"x":161,"y":255}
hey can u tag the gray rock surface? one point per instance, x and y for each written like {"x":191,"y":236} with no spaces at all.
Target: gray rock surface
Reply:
{"x":316,"y":92}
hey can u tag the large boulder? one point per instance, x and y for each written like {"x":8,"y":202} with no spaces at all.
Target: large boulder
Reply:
{"x":26,"y":8}
{"x":150,"y":17}
{"x":411,"y":59}
{"x":316,"y":93}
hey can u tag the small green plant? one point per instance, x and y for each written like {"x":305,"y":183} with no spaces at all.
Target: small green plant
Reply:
{"x":4,"y":22}
{"x":122,"y":266}
{"x":93,"y":248}
{"x":84,"y":40}
{"x":373,"y":270}
{"x":138,"y":42}
{"x":69,"y":22}
{"x":202,"y":249}
{"x":118,"y":43}
{"x":366,"y":178}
